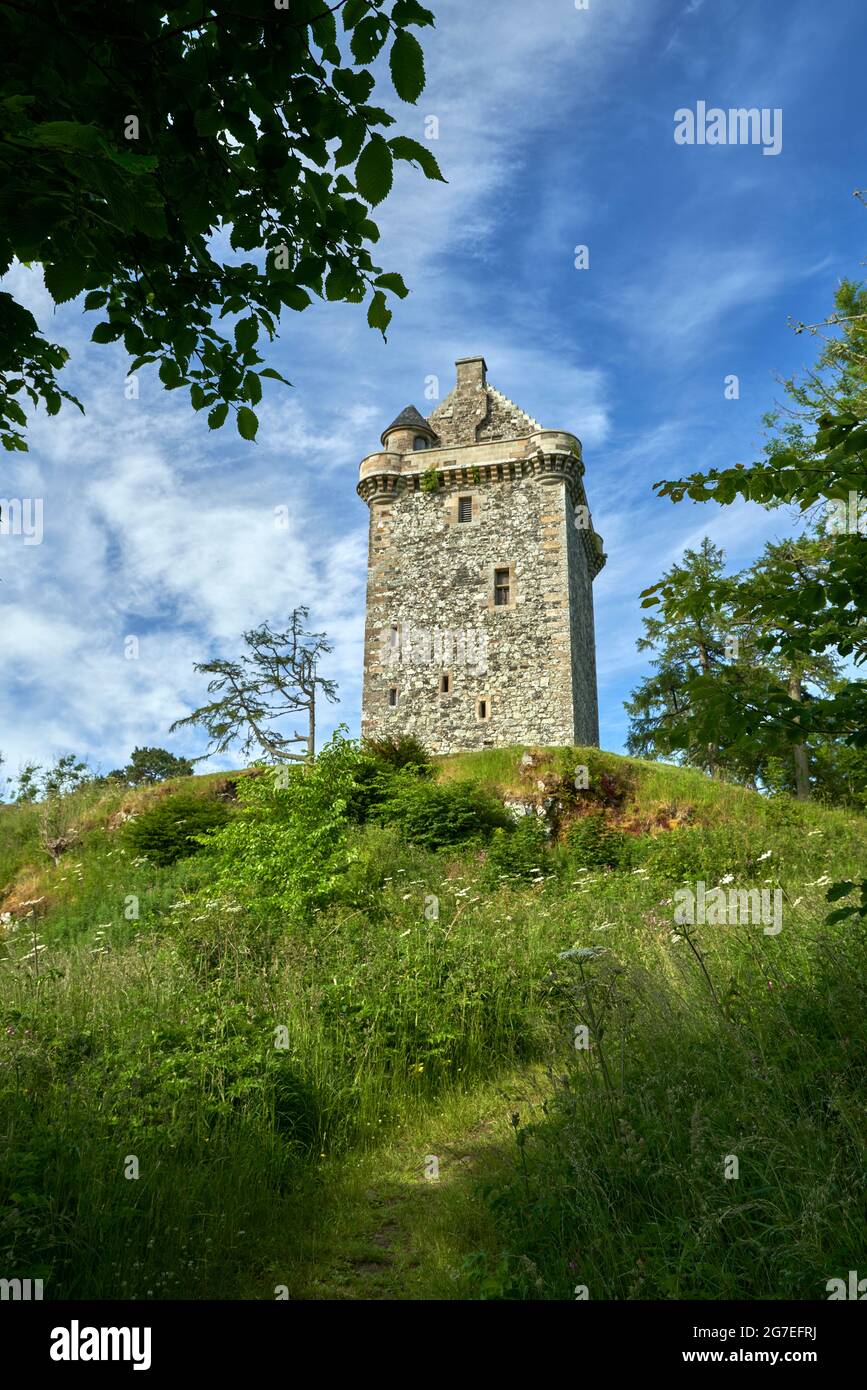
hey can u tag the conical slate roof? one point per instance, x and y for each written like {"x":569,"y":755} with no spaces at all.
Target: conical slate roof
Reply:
{"x":408,"y":419}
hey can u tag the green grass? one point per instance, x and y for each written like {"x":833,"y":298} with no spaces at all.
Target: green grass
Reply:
{"x":404,"y":1031}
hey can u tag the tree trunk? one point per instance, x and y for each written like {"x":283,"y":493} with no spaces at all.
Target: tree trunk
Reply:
{"x":705,"y":670}
{"x":799,"y":750}
{"x":311,"y":735}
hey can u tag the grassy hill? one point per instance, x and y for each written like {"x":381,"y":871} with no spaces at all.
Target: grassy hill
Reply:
{"x":339,"y":1051}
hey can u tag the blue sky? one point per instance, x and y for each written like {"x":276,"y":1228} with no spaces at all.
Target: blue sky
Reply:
{"x":555,"y":130}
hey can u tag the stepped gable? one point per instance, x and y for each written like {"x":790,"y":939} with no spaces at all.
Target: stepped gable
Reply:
{"x":476,"y":412}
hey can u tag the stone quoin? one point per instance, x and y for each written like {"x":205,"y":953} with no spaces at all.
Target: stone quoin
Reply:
{"x":482,"y":555}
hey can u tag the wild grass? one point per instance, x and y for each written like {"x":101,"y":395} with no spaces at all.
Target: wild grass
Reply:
{"x":267,"y":1072}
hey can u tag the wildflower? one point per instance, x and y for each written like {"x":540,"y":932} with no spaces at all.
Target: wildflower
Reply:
{"x":767,"y":854}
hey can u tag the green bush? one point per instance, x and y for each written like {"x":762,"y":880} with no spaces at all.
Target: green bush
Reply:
{"x":592,"y":844}
{"x":168,"y":830}
{"x":287,"y":850}
{"x":436,"y":816}
{"x":517,"y":854}
{"x":404,"y":751}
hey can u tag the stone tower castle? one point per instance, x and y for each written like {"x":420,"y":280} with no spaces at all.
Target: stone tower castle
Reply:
{"x":482,"y":556}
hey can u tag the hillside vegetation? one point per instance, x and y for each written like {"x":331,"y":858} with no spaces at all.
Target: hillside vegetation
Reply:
{"x":357,"y":1032}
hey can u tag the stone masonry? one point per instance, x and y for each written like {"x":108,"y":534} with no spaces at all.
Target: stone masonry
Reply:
{"x":482,"y":555}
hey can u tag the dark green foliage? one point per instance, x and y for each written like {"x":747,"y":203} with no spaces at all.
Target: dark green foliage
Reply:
{"x":521,"y":853}
{"x":437,"y":816}
{"x":402,"y":751}
{"x":148,"y":765}
{"x":167,"y":831}
{"x":376,"y":766}
{"x":591,"y":843}
{"x":130,"y":136}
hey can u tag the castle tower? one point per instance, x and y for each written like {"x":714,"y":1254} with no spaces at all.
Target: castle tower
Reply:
{"x":482,"y":554}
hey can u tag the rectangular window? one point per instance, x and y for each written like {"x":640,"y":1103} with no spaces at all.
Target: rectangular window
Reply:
{"x":445,"y":683}
{"x":483,"y":709}
{"x":465,"y":509}
{"x":392,"y":695}
{"x":501,"y":588}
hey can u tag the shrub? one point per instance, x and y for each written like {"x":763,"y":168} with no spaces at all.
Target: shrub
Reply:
{"x":405,"y":751}
{"x":517,"y":854}
{"x":287,"y":850}
{"x":374,"y":770}
{"x":591,"y":844}
{"x":436,"y":816}
{"x":167,"y":831}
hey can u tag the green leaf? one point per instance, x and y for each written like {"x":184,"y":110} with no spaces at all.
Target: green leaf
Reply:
{"x":406,"y":61}
{"x":106,"y":332}
{"x":129,"y":161}
{"x":352,"y":138}
{"x":374,"y":171}
{"x":294,"y":297}
{"x":252,"y":388}
{"x":411,"y":12}
{"x":368,"y":36}
{"x":394,"y":282}
{"x":247,"y":423}
{"x":197,"y":396}
{"x":378,"y":313}
{"x":402,"y":147}
{"x":246,"y":333}
{"x":353,"y":11}
{"x":340,"y":281}
{"x":217,"y":416}
{"x":170,"y":373}
{"x":67,"y":135}
{"x":96,"y":299}
{"x":65,"y":280}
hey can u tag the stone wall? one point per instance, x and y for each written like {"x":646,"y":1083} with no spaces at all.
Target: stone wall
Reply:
{"x":431,"y":611}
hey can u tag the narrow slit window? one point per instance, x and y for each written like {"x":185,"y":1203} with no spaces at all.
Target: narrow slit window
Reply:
{"x":445,"y":683}
{"x":465,"y":509}
{"x":392,"y":695}
{"x":483,"y":709}
{"x":501,"y":588}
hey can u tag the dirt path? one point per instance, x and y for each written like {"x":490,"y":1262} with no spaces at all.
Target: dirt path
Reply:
{"x":402,"y":1221}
